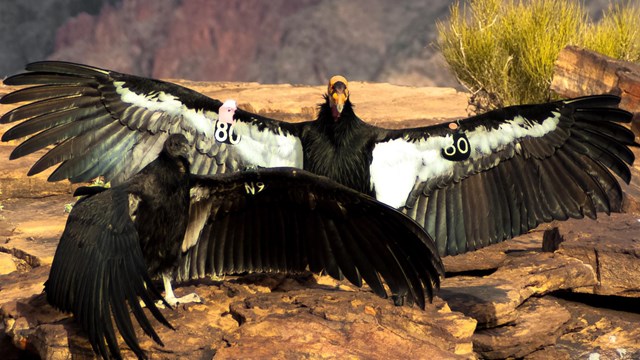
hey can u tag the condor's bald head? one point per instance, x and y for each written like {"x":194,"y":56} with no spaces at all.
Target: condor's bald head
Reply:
{"x":338,"y":93}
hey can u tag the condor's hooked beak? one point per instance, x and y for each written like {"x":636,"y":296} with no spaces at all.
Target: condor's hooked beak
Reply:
{"x":338,"y":95}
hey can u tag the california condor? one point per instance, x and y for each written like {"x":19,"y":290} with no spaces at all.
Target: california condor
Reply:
{"x":470,"y":182}
{"x":166,"y":222}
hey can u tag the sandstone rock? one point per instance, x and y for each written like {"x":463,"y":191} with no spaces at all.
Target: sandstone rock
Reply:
{"x":549,"y":353}
{"x":18,"y":285}
{"x":14,"y":183}
{"x":351,"y":324}
{"x":580,"y":72}
{"x":595,"y":331}
{"x":36,"y":226}
{"x":539,"y":322}
{"x":631,"y":198}
{"x":611,"y":246}
{"x":35,"y":252}
{"x":6,"y":228}
{"x":551,"y":240}
{"x":7,"y":264}
{"x":494,"y":256}
{"x":493,"y":299}
{"x":244,"y":318}
{"x":53,"y":341}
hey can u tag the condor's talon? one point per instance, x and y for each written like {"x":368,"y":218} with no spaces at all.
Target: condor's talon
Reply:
{"x":175,"y":301}
{"x":171,"y":298}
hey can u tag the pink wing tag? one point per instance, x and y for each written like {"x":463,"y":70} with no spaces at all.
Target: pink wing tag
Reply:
{"x":226,"y":111}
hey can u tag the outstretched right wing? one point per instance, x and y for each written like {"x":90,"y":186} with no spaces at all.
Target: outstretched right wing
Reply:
{"x":491,"y":177}
{"x":289,"y":220}
{"x":109,"y":124}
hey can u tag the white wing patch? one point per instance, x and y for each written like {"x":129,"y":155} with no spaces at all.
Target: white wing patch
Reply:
{"x":484,"y":141}
{"x":170,"y":104}
{"x":199,"y":212}
{"x":399,"y":163}
{"x":267,"y":149}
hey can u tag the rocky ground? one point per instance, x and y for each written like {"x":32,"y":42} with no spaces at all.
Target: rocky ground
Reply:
{"x":577,"y":299}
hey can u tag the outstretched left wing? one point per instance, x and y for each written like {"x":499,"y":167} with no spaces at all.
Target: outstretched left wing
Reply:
{"x":289,"y":220}
{"x":488,"y":178}
{"x":105,"y":123}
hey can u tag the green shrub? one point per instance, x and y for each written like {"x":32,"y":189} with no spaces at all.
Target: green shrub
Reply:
{"x":504,"y":51}
{"x":617,"y":34}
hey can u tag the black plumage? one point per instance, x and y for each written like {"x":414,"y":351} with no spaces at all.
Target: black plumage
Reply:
{"x":115,"y":240}
{"x":556,"y":160}
{"x":166,"y":222}
{"x":340,"y":150}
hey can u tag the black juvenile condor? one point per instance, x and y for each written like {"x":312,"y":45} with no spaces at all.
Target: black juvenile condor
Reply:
{"x":271,"y":220}
{"x":470,"y":183}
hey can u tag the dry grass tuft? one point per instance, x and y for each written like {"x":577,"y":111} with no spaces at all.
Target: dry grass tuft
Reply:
{"x":504,"y":51}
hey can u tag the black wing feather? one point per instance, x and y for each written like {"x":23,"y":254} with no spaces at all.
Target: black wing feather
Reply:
{"x":95,"y":129}
{"x":339,"y":234}
{"x":48,"y":120}
{"x":44,"y":78}
{"x":343,"y":233}
{"x":371,"y":258}
{"x":98,"y":269}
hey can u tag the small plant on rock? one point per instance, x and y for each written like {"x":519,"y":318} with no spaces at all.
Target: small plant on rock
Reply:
{"x":504,"y":51}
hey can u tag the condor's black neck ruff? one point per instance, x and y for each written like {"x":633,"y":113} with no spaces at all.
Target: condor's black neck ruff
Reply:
{"x":342,"y":131}
{"x":339,"y":149}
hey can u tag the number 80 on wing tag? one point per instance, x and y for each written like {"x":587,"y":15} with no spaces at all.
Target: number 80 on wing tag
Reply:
{"x":224,"y":133}
{"x":224,"y":125}
{"x":459,"y":150}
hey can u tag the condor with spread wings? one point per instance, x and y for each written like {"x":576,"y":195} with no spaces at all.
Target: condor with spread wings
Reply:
{"x":165,"y":221}
{"x":470,"y":183}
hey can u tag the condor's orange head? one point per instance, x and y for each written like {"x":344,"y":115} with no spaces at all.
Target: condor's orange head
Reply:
{"x":338,"y":93}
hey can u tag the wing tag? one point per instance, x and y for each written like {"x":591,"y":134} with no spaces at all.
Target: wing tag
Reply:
{"x":459,"y":150}
{"x":224,"y":133}
{"x":253,"y":188}
{"x":224,"y":125}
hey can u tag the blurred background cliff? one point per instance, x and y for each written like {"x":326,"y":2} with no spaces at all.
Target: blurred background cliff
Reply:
{"x":277,"y":41}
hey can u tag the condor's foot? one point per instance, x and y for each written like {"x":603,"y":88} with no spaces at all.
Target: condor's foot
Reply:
{"x":175,"y":301}
{"x":171,"y":298}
